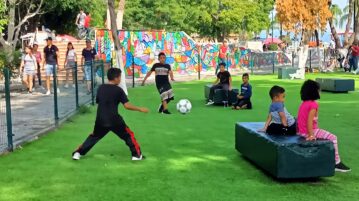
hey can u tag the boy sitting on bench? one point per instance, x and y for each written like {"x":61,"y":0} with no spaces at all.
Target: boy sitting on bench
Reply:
{"x":279,"y":120}
{"x":244,"y":98}
{"x":223,"y":81}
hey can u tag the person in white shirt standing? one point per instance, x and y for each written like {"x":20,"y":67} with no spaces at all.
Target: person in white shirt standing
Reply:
{"x":28,"y":67}
{"x":70,"y":62}
{"x":80,"y":19}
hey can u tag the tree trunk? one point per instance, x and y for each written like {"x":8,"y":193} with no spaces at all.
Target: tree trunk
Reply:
{"x":118,"y":48}
{"x":120,"y":12}
{"x":349,"y":23}
{"x":334,"y":34}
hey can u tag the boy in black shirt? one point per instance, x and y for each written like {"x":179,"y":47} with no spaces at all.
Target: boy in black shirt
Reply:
{"x":109,"y":96}
{"x":224,"y":81}
{"x":244,"y":98}
{"x":162,"y":71}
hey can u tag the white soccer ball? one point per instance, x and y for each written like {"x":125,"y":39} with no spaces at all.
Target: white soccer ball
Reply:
{"x":184,"y":106}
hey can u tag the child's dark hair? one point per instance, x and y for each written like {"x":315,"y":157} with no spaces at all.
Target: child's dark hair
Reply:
{"x":275,"y":91}
{"x":245,"y":75}
{"x":222,"y":64}
{"x":161,"y":54}
{"x":310,"y":90}
{"x":113,"y":73}
{"x":67,"y":52}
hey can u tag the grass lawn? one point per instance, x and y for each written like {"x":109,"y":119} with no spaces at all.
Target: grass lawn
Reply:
{"x":189,"y":157}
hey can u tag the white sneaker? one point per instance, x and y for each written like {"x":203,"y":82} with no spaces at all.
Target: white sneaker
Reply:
{"x":48,"y":93}
{"x":210,"y":102}
{"x":138,"y":158}
{"x":66,"y":86}
{"x":73,"y":86}
{"x":76,"y":156}
{"x":58,"y":91}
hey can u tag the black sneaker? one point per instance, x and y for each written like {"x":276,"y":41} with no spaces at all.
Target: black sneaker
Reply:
{"x":340,"y":167}
{"x":160,"y":109}
{"x":166,"y":112}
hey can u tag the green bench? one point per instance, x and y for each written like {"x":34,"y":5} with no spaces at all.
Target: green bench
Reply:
{"x":285,"y":157}
{"x":219,"y":95}
{"x":284,"y":72}
{"x":337,"y":85}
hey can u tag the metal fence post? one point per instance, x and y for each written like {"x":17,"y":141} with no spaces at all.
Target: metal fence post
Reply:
{"x":199,"y":63}
{"x":133,"y":71}
{"x":111,"y":64}
{"x":273,"y":56}
{"x":92,"y":85}
{"x":293,"y":59}
{"x":310,"y":61}
{"x":8,"y":110}
{"x":103,"y":72}
{"x":56,"y":109}
{"x":251,"y":62}
{"x":76,"y":86}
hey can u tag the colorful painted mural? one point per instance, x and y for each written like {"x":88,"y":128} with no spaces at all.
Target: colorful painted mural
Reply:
{"x":183,"y":54}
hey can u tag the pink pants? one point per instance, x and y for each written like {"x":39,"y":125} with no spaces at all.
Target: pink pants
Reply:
{"x":325,"y":135}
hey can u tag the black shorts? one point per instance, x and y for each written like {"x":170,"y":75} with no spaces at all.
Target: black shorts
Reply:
{"x":166,"y":92}
{"x":279,"y":129}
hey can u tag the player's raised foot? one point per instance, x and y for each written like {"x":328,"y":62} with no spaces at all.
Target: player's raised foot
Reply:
{"x":76,"y":156}
{"x":340,"y":167}
{"x":210,"y":102}
{"x":160,"y":108}
{"x":135,"y":158}
{"x":166,"y":112}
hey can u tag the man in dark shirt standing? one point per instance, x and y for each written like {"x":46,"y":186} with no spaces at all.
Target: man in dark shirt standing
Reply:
{"x":88,"y":56}
{"x":162,"y":71}
{"x":50,"y":62}
{"x":109,"y":96}
{"x":223,"y":81}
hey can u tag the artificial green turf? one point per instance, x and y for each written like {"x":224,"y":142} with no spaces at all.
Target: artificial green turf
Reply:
{"x":189,"y":157}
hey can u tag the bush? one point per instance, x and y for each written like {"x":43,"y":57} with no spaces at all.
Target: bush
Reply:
{"x":84,"y":109}
{"x":13,"y":65}
{"x":273,"y":47}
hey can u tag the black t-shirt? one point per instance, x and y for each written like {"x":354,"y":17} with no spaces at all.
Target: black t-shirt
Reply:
{"x":224,"y":77}
{"x":89,"y":55}
{"x":108,"y":98}
{"x":50,"y":54}
{"x":162,"y":72}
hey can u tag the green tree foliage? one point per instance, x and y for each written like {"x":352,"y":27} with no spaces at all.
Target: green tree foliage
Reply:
{"x":213,"y":18}
{"x":58,"y":12}
{"x":3,"y":16}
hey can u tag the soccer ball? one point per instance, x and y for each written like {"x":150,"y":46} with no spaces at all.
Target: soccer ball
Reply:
{"x":184,"y":106}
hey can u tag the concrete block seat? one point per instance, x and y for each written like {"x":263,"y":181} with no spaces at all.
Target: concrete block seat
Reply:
{"x":336,"y":85}
{"x":285,"y":157}
{"x":219,"y":95}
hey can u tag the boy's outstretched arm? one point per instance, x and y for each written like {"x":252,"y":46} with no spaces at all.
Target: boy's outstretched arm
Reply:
{"x":269,"y":119}
{"x":171,"y":75}
{"x":147,"y":76}
{"x":129,"y":106}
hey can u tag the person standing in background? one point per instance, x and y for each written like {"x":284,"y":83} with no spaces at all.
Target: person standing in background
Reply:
{"x":38,"y":57}
{"x":88,"y":56}
{"x":50,"y":62}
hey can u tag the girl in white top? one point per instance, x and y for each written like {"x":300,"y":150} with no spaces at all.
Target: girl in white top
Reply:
{"x":28,"y":67}
{"x":70,"y":62}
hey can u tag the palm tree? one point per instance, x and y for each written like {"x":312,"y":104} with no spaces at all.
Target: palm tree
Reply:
{"x":336,"y":11}
{"x":344,"y":17}
{"x":337,"y":15}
